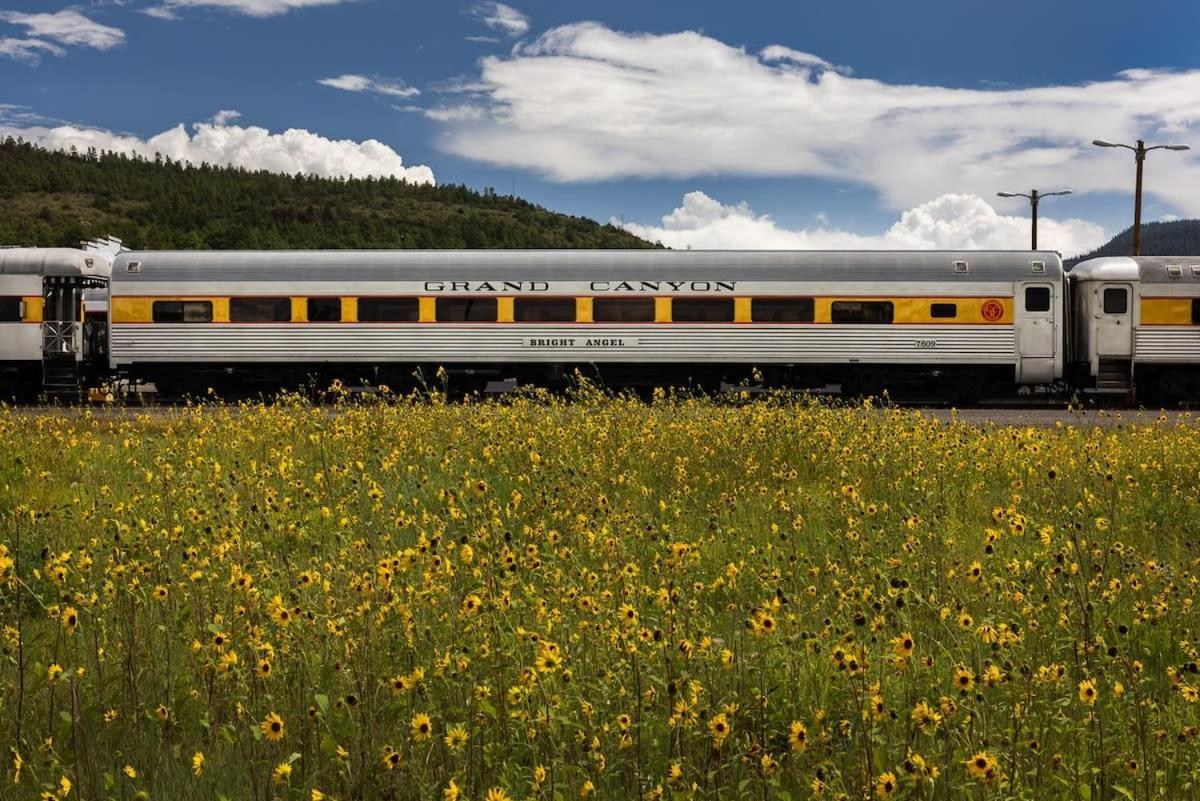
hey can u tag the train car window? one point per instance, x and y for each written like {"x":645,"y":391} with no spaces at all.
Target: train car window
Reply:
{"x":781,"y":310}
{"x":324,"y":310}
{"x":943,"y":311}
{"x":10,"y":310}
{"x":1116,"y":300}
{"x":466,"y":310}
{"x":878,"y":312}
{"x":1196,"y":311}
{"x":389,"y":310}
{"x":544,"y":310}
{"x":1037,"y":298}
{"x":632,"y":310}
{"x":260,"y":310}
{"x":716,"y":310}
{"x":182,"y":311}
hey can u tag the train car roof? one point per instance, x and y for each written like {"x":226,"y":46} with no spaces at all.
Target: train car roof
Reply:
{"x":52,"y":262}
{"x":663,"y":265}
{"x":1147,"y":269}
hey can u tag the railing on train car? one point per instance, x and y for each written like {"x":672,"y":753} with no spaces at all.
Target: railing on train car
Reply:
{"x":58,"y":338}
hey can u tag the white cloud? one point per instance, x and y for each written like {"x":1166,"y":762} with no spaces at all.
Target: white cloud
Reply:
{"x":583,"y":102}
{"x":779,"y":53}
{"x":67,"y":27}
{"x":950,"y":222}
{"x":28,"y":50}
{"x":290,"y":152}
{"x":391,"y":87}
{"x":46,"y":33}
{"x":225,"y":116}
{"x":500,"y":17}
{"x":253,"y":8}
{"x":455,"y":113}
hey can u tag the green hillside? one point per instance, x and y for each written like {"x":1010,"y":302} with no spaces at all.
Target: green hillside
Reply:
{"x":57,"y":199}
{"x":1176,"y":238}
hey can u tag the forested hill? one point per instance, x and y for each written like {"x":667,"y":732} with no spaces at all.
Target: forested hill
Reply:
{"x":1176,"y":238}
{"x":57,"y":199}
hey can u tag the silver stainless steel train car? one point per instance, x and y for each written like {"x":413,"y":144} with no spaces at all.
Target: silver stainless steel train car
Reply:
{"x":951,"y":323}
{"x":46,"y":337}
{"x":973,"y":321}
{"x":1136,"y":324}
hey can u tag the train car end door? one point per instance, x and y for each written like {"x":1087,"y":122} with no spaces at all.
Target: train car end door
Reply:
{"x":1037,"y":332}
{"x":1114,"y":321}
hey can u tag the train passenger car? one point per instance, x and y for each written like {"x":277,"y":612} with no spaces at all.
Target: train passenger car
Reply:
{"x":1136,"y":324}
{"x":45,"y":342}
{"x":865,"y":320}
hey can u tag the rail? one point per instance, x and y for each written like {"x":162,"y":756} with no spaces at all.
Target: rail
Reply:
{"x":58,"y":338}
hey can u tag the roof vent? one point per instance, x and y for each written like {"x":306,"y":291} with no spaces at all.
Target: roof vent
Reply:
{"x":133,"y":267}
{"x":1175,"y":270}
{"x":1039,"y":266}
{"x":960,"y":266}
{"x":1196,"y":270}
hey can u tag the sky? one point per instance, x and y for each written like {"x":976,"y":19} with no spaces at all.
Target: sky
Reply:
{"x":704,"y":124}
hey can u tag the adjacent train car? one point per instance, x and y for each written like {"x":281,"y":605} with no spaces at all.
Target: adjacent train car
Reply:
{"x":974,"y":321}
{"x":45,"y":341}
{"x":1136,"y":325}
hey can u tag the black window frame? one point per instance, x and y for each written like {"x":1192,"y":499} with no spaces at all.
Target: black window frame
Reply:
{"x":380,"y":304}
{"x":943,"y":311}
{"x":777,"y":307}
{"x":1195,"y":311}
{"x":322,"y":301}
{"x":1039,"y":290}
{"x":701,"y":303}
{"x":159,"y":308}
{"x":10,"y":309}
{"x":473,"y":305}
{"x":625,"y":306}
{"x":862,"y":312}
{"x":279,"y":305}
{"x":524,"y":304}
{"x":1105,"y":295}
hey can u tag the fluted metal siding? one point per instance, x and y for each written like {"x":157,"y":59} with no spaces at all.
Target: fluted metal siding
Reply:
{"x":449,"y":343}
{"x":1166,"y":344}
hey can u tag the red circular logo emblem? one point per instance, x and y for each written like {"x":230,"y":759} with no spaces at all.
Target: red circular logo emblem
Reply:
{"x":992,"y":310}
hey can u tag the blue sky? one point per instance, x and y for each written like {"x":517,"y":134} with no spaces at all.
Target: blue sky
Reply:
{"x":797,"y":124}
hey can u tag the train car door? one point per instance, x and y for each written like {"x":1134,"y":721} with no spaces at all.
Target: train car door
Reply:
{"x":1112,"y":328}
{"x":1037,"y":341}
{"x":1114,"y":321}
{"x":62,"y":310}
{"x":62,"y":307}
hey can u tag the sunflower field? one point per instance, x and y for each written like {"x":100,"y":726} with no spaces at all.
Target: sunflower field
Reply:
{"x":594,"y":596}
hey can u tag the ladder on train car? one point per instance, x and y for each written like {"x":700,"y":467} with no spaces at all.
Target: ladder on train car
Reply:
{"x":1114,"y":375}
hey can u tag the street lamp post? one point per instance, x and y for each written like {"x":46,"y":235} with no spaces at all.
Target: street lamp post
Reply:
{"x":1139,"y":156}
{"x":1034,"y":196}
